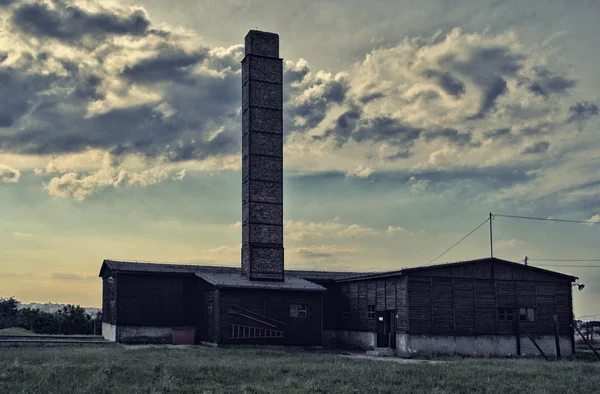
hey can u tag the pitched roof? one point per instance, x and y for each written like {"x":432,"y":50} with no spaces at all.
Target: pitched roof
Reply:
{"x":405,"y":271}
{"x":306,"y":275}
{"x":237,"y":280}
{"x":130,"y":266}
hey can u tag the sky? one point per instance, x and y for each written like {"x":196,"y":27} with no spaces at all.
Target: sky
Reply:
{"x":404,"y":126}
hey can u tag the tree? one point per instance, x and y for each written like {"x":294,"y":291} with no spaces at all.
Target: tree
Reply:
{"x":8,"y":312}
{"x":73,"y":320}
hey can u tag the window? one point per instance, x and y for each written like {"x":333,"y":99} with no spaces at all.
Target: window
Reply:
{"x":371,"y":312}
{"x":526,"y":314}
{"x":505,"y":314}
{"x":346,"y":312}
{"x":298,"y":310}
{"x":210,"y":307}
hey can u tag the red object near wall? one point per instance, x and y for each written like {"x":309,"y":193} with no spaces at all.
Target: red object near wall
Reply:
{"x":184,"y":336}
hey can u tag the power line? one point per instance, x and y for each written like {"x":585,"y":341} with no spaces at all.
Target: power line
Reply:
{"x":570,"y":266}
{"x":547,"y":219}
{"x":447,"y":250}
{"x":537,"y":259}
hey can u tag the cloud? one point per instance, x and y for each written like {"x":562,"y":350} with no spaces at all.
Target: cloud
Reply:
{"x":111,"y":174}
{"x":301,"y":231}
{"x":236,"y":225}
{"x":418,"y":186}
{"x":582,"y":110}
{"x":391,"y":230}
{"x":545,"y":83}
{"x":538,"y":147}
{"x":8,"y":174}
{"x":594,"y":218}
{"x":21,"y":235}
{"x":506,"y":243}
{"x":71,"y":276}
{"x":359,"y":172}
{"x":71,"y":23}
{"x":322,"y":251}
{"x":227,"y":250}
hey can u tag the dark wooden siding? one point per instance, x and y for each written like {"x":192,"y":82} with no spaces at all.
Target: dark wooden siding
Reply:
{"x":109,"y":296}
{"x":438,"y":305}
{"x":270,"y":309}
{"x":156,"y":300}
{"x":388,"y":294}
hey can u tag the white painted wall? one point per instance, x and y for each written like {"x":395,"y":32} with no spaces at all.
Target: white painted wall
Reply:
{"x":408,"y":345}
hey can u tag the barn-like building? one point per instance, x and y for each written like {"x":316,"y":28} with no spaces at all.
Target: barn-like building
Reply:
{"x":488,"y":307}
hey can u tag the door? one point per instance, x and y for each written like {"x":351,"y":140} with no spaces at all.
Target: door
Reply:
{"x":392,"y":331}
{"x":386,"y":329}
{"x":383,"y":328}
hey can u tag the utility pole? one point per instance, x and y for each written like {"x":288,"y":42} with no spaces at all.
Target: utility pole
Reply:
{"x":526,"y":260}
{"x":491,"y":242}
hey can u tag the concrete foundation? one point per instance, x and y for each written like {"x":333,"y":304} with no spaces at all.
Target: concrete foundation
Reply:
{"x":354,"y":339}
{"x":477,"y":346}
{"x":109,"y":332}
{"x":137,"y":334}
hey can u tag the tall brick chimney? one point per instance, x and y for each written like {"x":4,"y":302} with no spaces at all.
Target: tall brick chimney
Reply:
{"x":262,"y":158}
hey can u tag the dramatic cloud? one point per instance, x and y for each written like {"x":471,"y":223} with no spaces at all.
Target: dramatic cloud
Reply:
{"x":8,"y":174}
{"x":111,"y":174}
{"x":95,"y":76}
{"x":70,"y":23}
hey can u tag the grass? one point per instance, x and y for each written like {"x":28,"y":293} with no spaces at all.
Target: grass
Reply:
{"x":275,"y":370}
{"x":16,"y":331}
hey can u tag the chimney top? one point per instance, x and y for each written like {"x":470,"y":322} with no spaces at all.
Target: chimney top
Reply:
{"x":262,"y":43}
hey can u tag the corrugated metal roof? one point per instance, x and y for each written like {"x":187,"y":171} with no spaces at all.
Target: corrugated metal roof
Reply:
{"x":237,"y":280}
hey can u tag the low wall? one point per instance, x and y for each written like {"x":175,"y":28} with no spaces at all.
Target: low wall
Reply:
{"x":408,"y":345}
{"x":354,"y":339}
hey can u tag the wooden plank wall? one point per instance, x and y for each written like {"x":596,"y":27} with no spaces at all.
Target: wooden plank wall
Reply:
{"x":274,"y":305}
{"x":439,"y":305}
{"x":387,"y":294}
{"x":156,"y":300}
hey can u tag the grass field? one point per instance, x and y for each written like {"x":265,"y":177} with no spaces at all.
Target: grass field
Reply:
{"x":276,"y":370}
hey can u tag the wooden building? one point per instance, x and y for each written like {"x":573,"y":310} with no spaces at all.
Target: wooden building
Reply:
{"x":480,"y":307}
{"x":488,"y":307}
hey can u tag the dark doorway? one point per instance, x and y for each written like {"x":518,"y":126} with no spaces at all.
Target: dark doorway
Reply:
{"x":386,"y":329}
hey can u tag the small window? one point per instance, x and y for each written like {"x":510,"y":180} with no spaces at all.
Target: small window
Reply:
{"x":505,"y":314}
{"x":526,"y":314}
{"x":346,"y":312}
{"x":371,"y":312}
{"x":298,"y":310}
{"x":210,"y":307}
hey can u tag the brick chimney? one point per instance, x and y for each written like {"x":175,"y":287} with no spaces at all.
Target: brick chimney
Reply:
{"x":262,"y":158}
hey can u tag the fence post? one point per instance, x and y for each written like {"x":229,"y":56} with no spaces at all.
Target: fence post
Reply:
{"x":556,"y":336}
